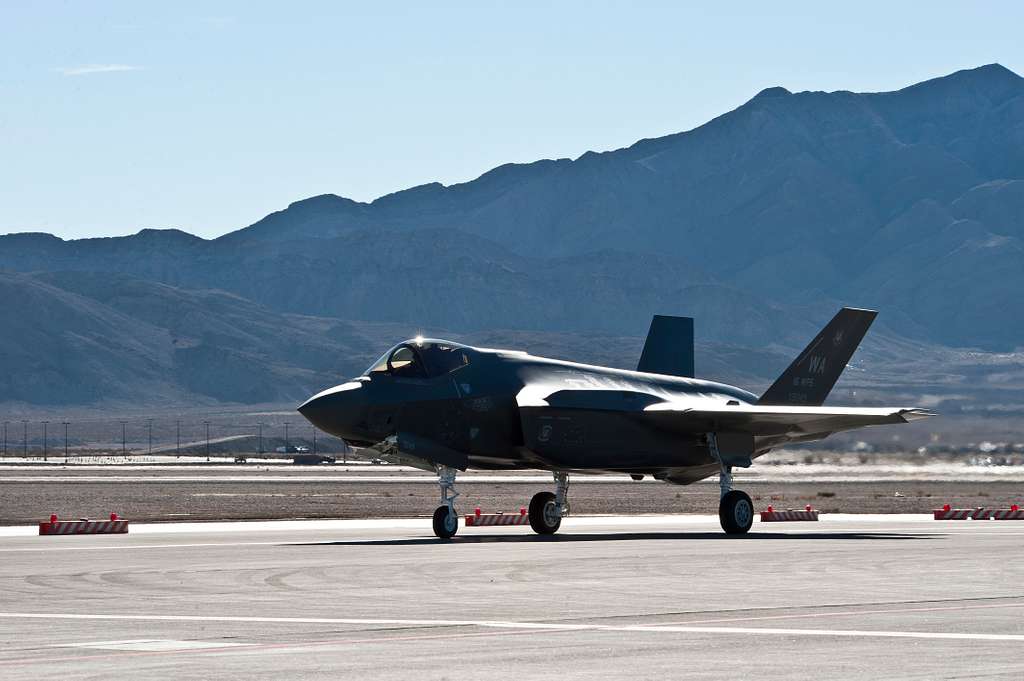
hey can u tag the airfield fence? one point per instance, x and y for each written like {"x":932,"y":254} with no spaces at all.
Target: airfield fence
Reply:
{"x":134,"y":437}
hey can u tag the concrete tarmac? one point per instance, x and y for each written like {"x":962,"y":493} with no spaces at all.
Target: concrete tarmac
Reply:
{"x":649,"y":597}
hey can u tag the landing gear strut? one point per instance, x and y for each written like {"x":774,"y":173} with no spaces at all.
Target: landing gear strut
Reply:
{"x":735,"y":509}
{"x":446,"y":520}
{"x":547,"y":509}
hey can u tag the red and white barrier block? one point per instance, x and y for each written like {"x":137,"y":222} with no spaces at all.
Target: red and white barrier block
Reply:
{"x":478,"y":519}
{"x":115,"y":525}
{"x":949,"y":513}
{"x":770,"y":515}
{"x":1012,"y":513}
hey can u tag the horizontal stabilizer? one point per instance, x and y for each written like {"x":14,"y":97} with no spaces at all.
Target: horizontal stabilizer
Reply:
{"x":669,"y":347}
{"x":811,"y":376}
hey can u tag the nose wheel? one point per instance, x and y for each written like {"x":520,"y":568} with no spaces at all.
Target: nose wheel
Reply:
{"x":446,"y":520}
{"x":446,"y":523}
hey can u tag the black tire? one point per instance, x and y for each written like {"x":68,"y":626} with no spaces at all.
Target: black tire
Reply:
{"x":736,"y":512}
{"x":543,"y":518}
{"x":446,"y":523}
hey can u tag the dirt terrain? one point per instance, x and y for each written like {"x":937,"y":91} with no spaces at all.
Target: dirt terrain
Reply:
{"x":27,"y":496}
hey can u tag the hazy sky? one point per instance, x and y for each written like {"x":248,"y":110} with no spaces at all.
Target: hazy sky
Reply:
{"x":207,"y":116}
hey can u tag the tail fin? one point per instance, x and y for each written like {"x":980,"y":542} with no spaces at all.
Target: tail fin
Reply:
{"x":809,"y":379}
{"x":669,"y":347}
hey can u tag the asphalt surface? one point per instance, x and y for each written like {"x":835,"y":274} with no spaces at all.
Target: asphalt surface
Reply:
{"x":608,"y":598}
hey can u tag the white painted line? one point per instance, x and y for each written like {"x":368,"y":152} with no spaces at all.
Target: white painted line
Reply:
{"x":920,"y":523}
{"x":524,"y":626}
{"x":150,"y":645}
{"x":293,"y":620}
{"x":419,"y":523}
{"x":347,"y":540}
{"x":833,"y":632}
{"x":250,"y":526}
{"x":143,"y":547}
{"x":255,"y":466}
{"x":326,"y":479}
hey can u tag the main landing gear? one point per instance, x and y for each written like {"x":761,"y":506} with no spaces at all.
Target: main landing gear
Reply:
{"x":446,"y":521}
{"x":735,"y":509}
{"x":547,"y":509}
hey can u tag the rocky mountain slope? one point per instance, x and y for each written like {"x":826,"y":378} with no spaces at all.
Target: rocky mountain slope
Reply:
{"x":758,"y":223}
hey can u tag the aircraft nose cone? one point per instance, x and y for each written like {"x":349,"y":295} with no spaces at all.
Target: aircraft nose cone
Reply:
{"x":334,"y":410}
{"x":314,"y":409}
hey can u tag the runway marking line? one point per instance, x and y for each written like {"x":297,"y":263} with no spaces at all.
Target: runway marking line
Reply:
{"x":149,"y":644}
{"x":528,"y":626}
{"x":371,"y":540}
{"x":920,"y":524}
{"x":128,"y":547}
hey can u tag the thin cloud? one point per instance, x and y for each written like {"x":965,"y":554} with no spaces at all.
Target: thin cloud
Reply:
{"x":87,"y":69}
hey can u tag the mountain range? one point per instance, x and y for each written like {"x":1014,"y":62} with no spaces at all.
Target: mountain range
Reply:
{"x":759,"y":224}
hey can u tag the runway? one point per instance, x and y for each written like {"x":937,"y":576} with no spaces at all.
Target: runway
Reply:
{"x":609,"y":597}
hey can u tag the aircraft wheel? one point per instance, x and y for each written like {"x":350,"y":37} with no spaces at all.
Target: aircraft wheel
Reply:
{"x":736,"y":512}
{"x":544,"y":515}
{"x":446,"y":523}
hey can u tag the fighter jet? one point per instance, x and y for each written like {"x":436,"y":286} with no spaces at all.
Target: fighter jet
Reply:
{"x":447,"y":407}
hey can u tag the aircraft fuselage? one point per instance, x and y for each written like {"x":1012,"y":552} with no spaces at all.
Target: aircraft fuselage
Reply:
{"x":479,"y":414}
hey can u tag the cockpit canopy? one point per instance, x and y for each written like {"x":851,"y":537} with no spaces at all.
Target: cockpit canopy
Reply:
{"x":421,"y":358}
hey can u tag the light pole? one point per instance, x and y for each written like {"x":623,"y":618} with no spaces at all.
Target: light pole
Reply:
{"x":5,"y":438}
{"x":65,"y":442}
{"x":124,"y":440}
{"x":177,"y":438}
{"x":24,"y":437}
{"x":149,"y":425}
{"x":314,"y":440}
{"x":285,"y":437}
{"x":259,"y":447}
{"x":45,"y":424}
{"x":207,"y":423}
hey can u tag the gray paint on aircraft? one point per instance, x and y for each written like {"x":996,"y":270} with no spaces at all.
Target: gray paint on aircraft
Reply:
{"x":436,"y":402}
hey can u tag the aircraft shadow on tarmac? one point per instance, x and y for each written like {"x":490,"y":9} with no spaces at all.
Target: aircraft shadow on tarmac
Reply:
{"x":620,"y":536}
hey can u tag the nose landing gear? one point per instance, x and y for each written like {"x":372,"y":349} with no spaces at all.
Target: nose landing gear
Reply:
{"x":446,"y":520}
{"x":547,"y":509}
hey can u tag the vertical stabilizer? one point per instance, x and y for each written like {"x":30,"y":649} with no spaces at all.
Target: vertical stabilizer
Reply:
{"x":811,"y":376}
{"x":669,"y":347}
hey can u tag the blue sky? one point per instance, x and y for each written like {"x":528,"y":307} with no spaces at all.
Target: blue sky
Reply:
{"x":207,"y":116}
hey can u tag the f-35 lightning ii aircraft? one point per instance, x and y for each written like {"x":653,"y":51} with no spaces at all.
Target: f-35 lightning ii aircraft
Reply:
{"x":446,"y":407}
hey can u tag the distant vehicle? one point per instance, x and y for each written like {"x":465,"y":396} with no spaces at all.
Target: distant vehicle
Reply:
{"x":312,"y":459}
{"x":292,"y":449}
{"x":447,"y":407}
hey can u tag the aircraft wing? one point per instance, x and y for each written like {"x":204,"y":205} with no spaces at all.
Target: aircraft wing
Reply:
{"x":625,"y":422}
{"x":776,"y":420}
